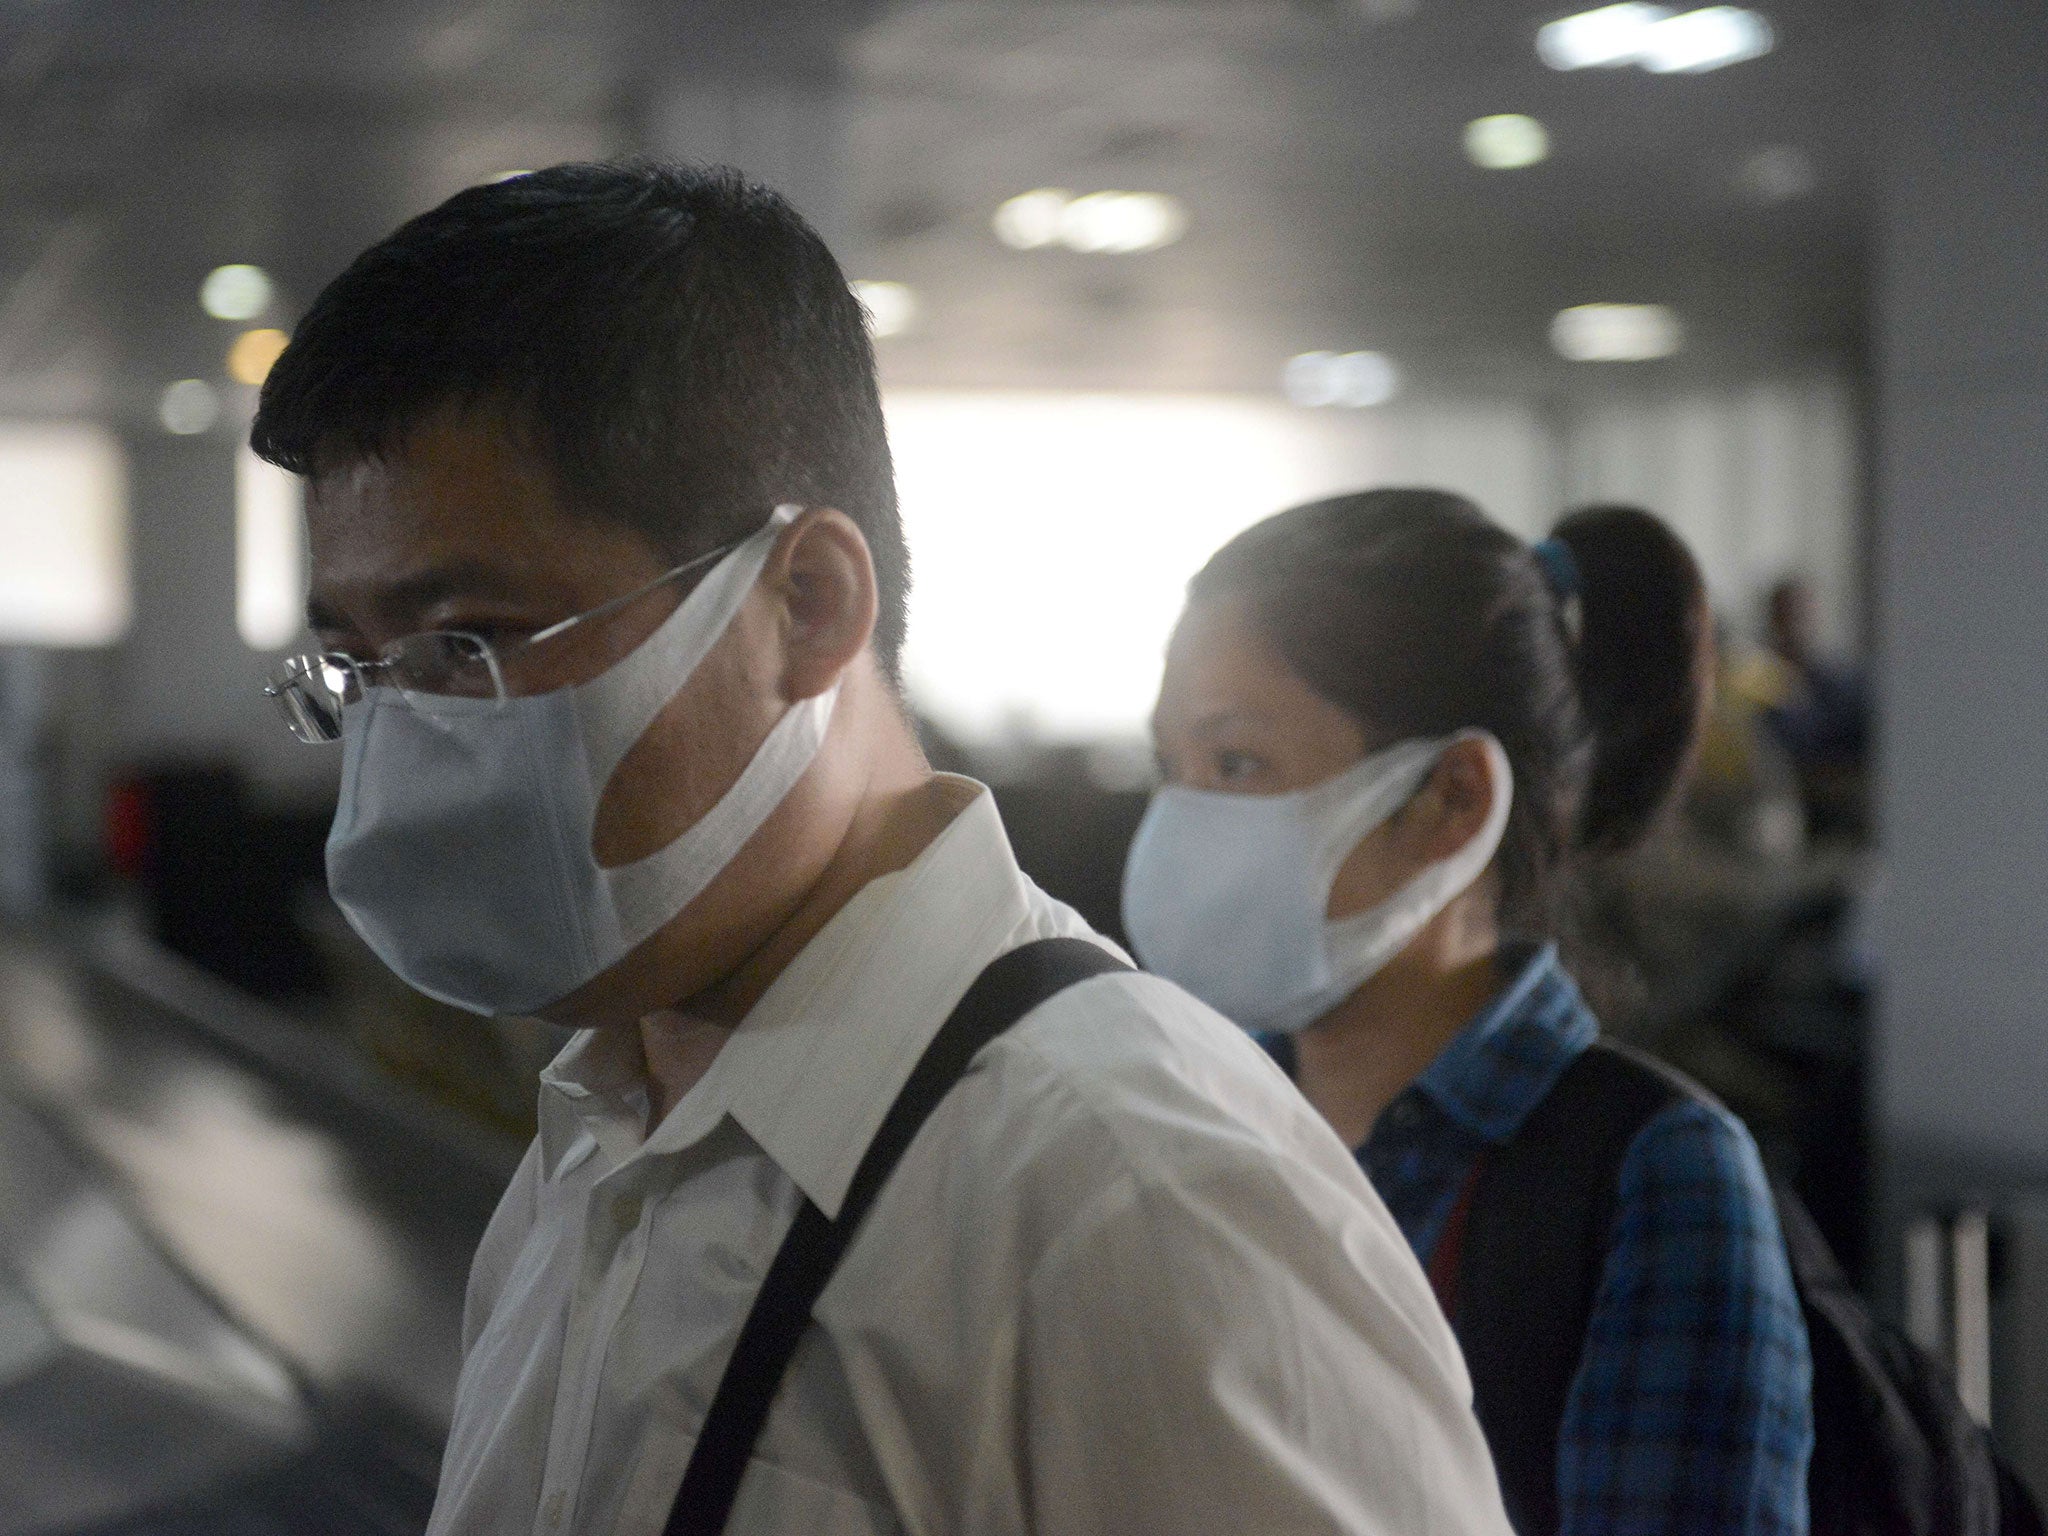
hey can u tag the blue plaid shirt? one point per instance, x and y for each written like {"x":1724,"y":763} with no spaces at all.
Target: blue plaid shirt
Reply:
{"x":1692,"y":1408}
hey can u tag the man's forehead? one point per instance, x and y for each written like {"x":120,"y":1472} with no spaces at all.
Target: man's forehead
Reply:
{"x":446,"y":478}
{"x":455,"y":510}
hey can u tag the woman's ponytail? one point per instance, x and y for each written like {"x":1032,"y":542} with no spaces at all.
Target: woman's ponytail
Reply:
{"x":1642,"y":645}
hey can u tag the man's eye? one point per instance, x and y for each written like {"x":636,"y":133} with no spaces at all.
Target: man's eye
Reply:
{"x":497,"y":636}
{"x":1236,"y":767}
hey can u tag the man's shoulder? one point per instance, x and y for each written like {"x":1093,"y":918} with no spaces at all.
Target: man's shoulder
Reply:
{"x":1143,"y":1081}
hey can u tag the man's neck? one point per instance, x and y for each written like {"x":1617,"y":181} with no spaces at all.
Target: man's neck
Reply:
{"x":903,"y":809}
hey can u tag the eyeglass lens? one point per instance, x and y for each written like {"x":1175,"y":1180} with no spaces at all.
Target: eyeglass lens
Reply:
{"x":312,"y":690}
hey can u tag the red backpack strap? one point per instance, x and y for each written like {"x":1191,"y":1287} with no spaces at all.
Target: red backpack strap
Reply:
{"x":1447,"y":1258}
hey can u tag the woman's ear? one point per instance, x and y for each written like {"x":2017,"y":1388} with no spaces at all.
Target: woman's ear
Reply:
{"x":1454,"y":802}
{"x":825,"y":579}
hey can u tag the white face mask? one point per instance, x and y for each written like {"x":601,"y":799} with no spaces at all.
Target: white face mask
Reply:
{"x":1227,"y":894}
{"x":462,"y":850}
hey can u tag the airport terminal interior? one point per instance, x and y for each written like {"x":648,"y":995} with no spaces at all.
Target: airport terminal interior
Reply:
{"x":1138,"y":273}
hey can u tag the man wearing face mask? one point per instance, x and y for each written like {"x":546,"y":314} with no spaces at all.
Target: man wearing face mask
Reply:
{"x":873,"y":1194}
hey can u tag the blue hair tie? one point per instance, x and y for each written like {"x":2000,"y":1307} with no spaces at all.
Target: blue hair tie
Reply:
{"x":1560,"y":568}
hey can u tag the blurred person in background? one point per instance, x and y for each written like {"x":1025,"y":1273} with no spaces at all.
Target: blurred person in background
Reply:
{"x":609,"y":586}
{"x":1389,"y":729}
{"x":1821,"y":715}
{"x":1693,"y":910}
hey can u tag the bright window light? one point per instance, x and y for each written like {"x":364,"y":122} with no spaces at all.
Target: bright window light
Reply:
{"x":1507,"y":141}
{"x":1354,"y":379}
{"x":236,"y":292}
{"x":891,"y":307}
{"x":270,"y":554}
{"x":1656,"y":39}
{"x":63,"y":537}
{"x":1616,"y":333}
{"x":1053,"y":536}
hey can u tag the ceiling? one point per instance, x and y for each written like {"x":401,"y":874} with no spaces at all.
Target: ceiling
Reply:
{"x":1315,"y":144}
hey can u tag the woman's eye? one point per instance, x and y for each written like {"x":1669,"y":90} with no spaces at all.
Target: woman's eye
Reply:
{"x":1236,"y":767}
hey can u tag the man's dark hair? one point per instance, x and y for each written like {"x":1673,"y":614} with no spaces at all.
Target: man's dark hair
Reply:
{"x":675,"y":343}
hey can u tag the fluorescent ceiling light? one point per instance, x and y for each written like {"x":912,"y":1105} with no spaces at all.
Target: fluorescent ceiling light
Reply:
{"x":1353,"y":379}
{"x":1030,"y":221}
{"x":237,"y":292}
{"x":1612,"y":35}
{"x":1655,"y":38}
{"x":1506,"y":142}
{"x":1120,"y":223}
{"x":891,"y":307}
{"x":1096,"y":223}
{"x":1616,"y":333}
{"x":1699,"y":41}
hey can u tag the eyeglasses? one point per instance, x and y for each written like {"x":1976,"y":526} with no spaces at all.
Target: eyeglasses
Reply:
{"x":428,"y":669}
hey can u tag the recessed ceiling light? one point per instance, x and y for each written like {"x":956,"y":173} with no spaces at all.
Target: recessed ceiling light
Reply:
{"x":1616,"y":333}
{"x":891,"y":307}
{"x":235,"y":292}
{"x":1655,"y":38}
{"x":1506,"y":142}
{"x":251,"y":357}
{"x":1353,"y":379}
{"x":1778,"y":174}
{"x":1096,"y":223}
{"x":188,"y":407}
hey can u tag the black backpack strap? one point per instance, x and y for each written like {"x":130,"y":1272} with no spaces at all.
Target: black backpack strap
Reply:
{"x":1535,"y":1242}
{"x":1011,"y":986}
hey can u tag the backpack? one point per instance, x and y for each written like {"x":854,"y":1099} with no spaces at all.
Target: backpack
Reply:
{"x":1895,"y":1452}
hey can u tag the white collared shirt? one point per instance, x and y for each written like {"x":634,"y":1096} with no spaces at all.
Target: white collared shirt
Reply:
{"x":1125,"y":1280}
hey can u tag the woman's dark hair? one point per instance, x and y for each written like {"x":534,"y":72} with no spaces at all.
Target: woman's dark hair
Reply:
{"x":1420,"y":616}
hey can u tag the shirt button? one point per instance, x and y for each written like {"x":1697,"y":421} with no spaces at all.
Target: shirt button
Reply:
{"x":626,"y":1212}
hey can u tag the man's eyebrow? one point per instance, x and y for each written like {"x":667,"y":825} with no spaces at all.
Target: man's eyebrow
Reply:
{"x":1222,"y":719}
{"x":399,"y":600}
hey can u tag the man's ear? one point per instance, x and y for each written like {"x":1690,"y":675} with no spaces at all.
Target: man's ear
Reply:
{"x":822,"y":574}
{"x":1454,"y":801}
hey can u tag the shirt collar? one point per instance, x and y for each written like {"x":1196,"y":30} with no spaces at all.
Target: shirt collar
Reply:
{"x":812,"y":1070}
{"x":1496,"y":1070}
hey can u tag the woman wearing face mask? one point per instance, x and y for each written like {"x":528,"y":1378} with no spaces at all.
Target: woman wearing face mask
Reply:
{"x":1388,"y":729}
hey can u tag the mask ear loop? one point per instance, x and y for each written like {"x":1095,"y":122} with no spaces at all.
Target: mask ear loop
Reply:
{"x":1382,"y":784}
{"x":1436,"y":887}
{"x":615,"y":708}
